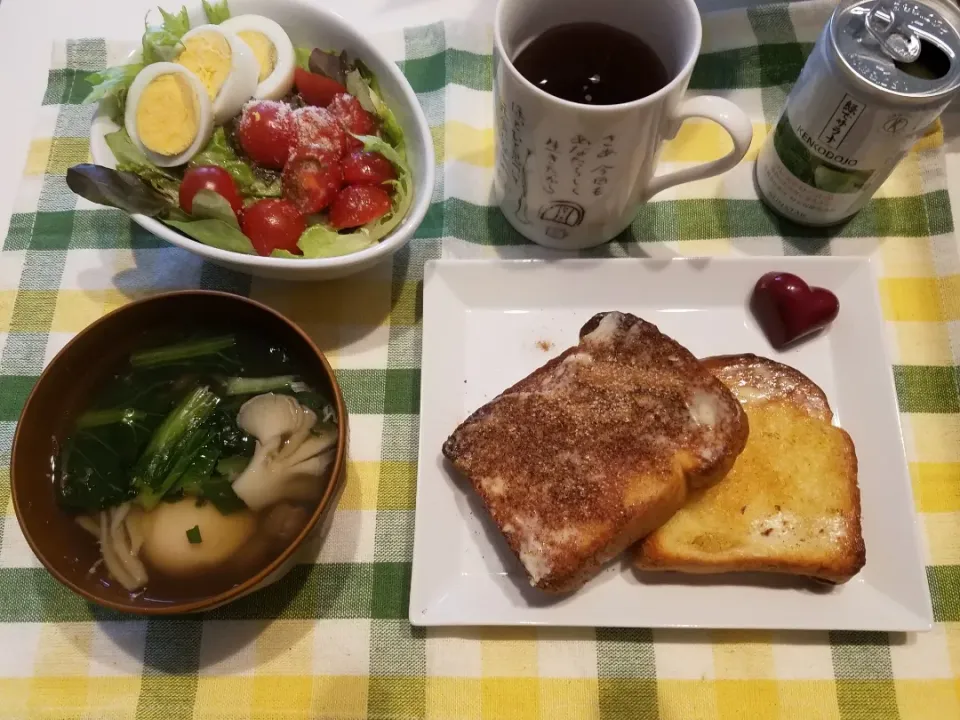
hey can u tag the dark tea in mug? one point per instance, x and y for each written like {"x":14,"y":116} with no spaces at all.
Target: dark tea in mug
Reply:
{"x":592,"y":64}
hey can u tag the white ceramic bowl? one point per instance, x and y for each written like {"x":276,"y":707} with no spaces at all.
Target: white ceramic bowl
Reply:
{"x":308,"y":24}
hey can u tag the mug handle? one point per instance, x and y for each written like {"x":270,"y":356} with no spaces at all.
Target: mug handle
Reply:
{"x":726,"y":115}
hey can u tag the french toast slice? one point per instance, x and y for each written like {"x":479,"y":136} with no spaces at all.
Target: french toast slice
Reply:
{"x":791,"y":503}
{"x":597,"y":448}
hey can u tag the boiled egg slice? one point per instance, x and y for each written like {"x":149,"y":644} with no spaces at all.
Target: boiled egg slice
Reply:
{"x":168,"y":114}
{"x":273,"y":50}
{"x":225,"y":65}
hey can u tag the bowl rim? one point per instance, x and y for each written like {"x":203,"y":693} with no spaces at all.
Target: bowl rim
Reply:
{"x":324,"y":506}
{"x":386,"y":246}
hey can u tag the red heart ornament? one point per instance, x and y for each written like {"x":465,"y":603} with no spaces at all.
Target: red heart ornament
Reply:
{"x":789,"y":309}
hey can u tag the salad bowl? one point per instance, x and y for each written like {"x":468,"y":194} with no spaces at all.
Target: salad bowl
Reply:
{"x":309,"y":26}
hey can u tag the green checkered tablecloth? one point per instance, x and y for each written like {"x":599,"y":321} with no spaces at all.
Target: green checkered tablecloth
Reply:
{"x":332,"y":640}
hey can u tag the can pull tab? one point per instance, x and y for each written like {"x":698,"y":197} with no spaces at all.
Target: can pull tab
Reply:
{"x":896,"y":38}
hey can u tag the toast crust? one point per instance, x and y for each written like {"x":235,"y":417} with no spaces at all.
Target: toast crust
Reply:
{"x":597,"y":447}
{"x":824,"y":542}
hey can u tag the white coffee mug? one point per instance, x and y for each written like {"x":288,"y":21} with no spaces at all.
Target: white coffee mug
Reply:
{"x":572,"y":176}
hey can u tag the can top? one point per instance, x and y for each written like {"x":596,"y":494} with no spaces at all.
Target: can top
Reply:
{"x":908,"y":49}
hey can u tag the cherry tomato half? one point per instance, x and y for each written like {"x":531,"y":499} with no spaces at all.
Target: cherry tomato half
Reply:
{"x":316,"y":89}
{"x":273,"y":224}
{"x":317,"y":127}
{"x":354,"y":118}
{"x":357,"y":205}
{"x":367,"y":168}
{"x":311,"y":179}
{"x":209,"y":177}
{"x":266,"y":132}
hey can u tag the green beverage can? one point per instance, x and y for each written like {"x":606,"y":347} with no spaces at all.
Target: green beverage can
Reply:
{"x":880,"y":73}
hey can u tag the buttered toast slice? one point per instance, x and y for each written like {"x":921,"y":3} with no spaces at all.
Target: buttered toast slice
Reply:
{"x":791,"y":502}
{"x":597,"y":448}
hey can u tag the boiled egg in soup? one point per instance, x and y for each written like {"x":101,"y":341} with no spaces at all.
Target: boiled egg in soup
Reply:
{"x":168,"y":114}
{"x":225,"y":66}
{"x":273,"y":51}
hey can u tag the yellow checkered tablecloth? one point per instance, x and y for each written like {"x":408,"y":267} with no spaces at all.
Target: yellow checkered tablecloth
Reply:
{"x":332,"y":639}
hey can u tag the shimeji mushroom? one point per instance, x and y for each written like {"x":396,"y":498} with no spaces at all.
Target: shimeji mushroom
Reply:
{"x":119,"y":531}
{"x":121,"y":535}
{"x":289,"y":457}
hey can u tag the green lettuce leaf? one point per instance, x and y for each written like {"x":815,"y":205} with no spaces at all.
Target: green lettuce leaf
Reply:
{"x":388,"y":121}
{"x":162,"y":43}
{"x":302,"y":57}
{"x":160,"y":46}
{"x":213,"y":232}
{"x":176,"y":23}
{"x":131,"y":159}
{"x":403,"y":187}
{"x":211,"y":205}
{"x":216,"y":12}
{"x":110,"y":87}
{"x":358,"y":87}
{"x":320,"y":241}
{"x":219,"y":152}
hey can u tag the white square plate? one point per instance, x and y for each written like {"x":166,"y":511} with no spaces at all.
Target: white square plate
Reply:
{"x":488,"y":324}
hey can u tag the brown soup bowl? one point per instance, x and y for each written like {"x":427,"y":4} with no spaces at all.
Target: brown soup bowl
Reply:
{"x":64,"y":389}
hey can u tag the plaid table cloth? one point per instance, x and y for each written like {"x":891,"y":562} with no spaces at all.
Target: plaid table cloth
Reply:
{"x":332,"y":640}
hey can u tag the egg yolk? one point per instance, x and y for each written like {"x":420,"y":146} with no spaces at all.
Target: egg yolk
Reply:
{"x":263,"y":50}
{"x":209,"y":56}
{"x":168,"y":115}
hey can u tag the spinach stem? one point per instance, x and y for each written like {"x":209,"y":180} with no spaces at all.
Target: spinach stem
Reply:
{"x":250,"y":386}
{"x":181,"y":351}
{"x":98,"y":418}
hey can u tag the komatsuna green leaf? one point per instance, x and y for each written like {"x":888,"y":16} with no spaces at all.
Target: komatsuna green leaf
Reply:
{"x":188,"y":453}
{"x":219,"y":491}
{"x":215,"y":233}
{"x":93,"y":469}
{"x":216,"y":12}
{"x":177,"y":440}
{"x":220,"y":153}
{"x":123,"y":190}
{"x":201,"y":466}
{"x":130,"y":159}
